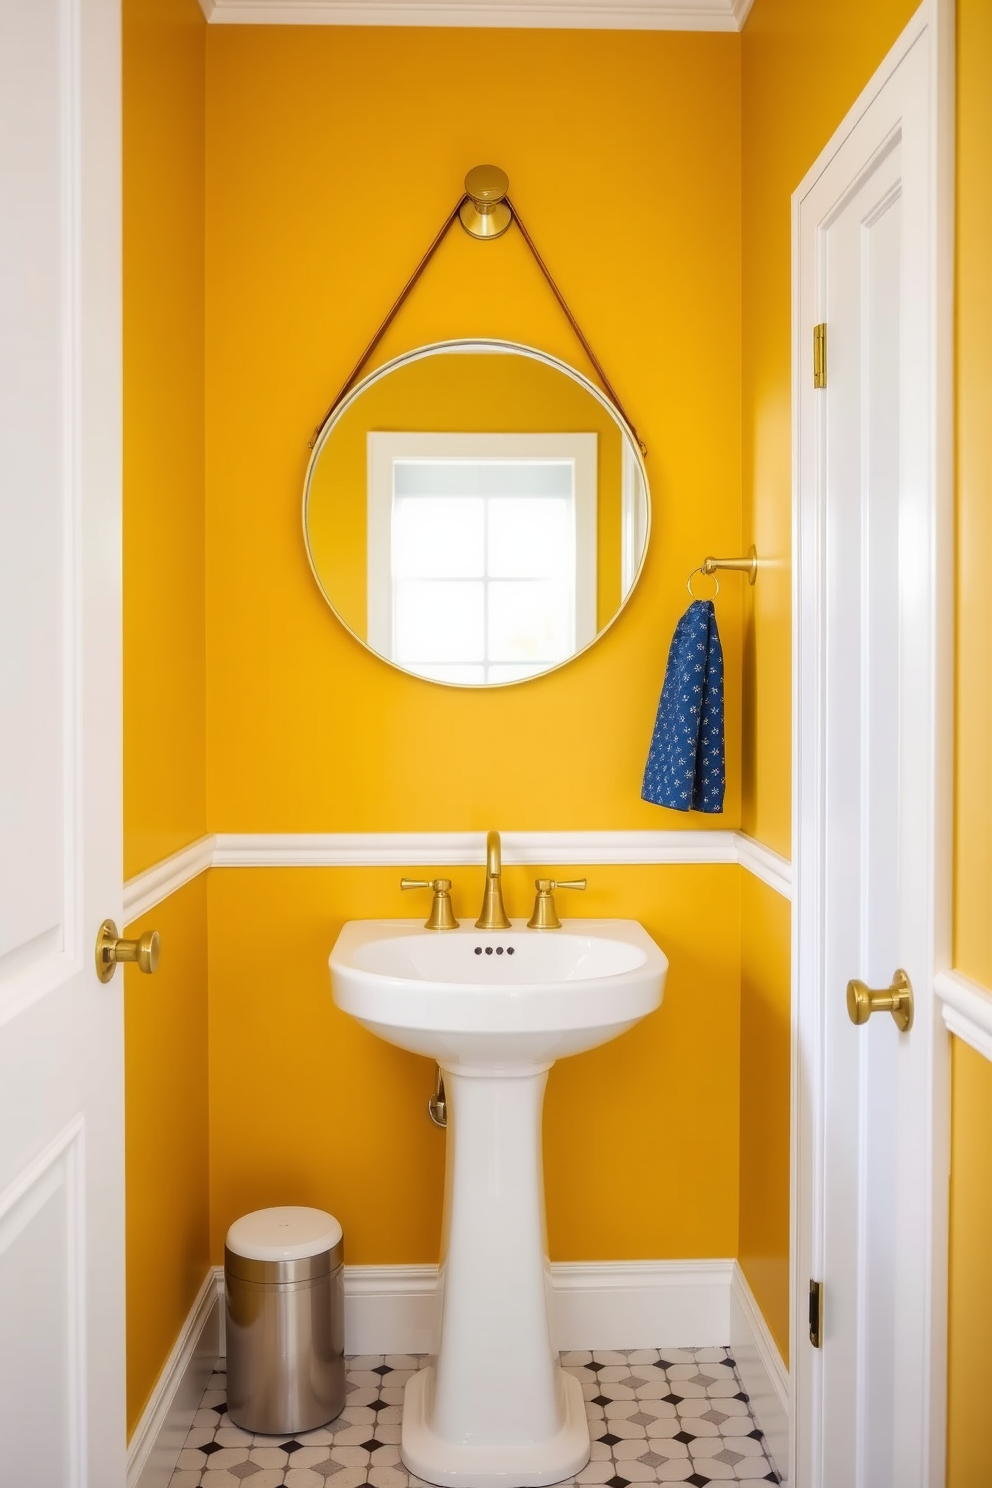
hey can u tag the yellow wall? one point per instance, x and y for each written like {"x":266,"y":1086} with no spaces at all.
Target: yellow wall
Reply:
{"x":164,"y":668}
{"x":164,"y":653}
{"x":766,"y":1044}
{"x":308,"y":732}
{"x":166,"y":1151}
{"x":803,"y":63}
{"x":307,"y":1107}
{"x":309,"y":128}
{"x":455,"y":394}
{"x":971,"y":1184}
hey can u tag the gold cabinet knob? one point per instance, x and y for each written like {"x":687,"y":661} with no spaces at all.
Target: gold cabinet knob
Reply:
{"x":442,"y":916}
{"x":110,"y":949}
{"x":897,"y":999}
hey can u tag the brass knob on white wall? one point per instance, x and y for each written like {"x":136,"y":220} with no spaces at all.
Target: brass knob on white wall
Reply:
{"x":862,"y":1001}
{"x":111,"y":949}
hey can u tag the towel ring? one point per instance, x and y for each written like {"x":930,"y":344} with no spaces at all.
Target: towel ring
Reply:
{"x":701,"y":570}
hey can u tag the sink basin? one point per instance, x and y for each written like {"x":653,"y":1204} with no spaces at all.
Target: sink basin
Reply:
{"x":495,"y":1008}
{"x":497,"y":997}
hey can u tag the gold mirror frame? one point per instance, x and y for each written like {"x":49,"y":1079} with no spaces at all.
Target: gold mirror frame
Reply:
{"x":470,"y":343}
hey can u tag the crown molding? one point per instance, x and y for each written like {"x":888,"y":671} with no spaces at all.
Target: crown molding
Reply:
{"x":610,"y":15}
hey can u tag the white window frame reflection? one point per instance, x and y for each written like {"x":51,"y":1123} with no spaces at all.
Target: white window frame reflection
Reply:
{"x":386,"y":449}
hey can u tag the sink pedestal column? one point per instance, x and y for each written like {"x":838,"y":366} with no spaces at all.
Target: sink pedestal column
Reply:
{"x":494,"y":1408}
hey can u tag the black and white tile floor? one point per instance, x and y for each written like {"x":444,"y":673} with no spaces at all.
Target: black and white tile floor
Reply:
{"x":678,"y":1416}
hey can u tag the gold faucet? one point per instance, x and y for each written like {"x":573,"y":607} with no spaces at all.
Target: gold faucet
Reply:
{"x":493,"y":915}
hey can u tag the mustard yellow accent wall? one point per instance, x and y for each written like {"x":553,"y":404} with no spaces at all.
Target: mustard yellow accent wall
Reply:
{"x":970,"y":1307}
{"x":310,"y":132}
{"x":803,"y":63}
{"x":164,"y":669}
{"x":166,"y":1154}
{"x":480,"y":394}
{"x":971,"y":1184}
{"x":307,"y":1107}
{"x":164,"y":576}
{"x":766,"y":1045}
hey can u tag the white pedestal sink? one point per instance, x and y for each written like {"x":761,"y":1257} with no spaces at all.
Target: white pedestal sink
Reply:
{"x":495,"y":1009}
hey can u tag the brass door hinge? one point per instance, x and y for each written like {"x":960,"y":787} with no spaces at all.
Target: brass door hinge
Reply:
{"x":820,"y":355}
{"x":816,"y":1313}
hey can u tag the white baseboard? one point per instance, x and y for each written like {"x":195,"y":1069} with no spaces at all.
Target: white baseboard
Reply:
{"x":761,"y":1367}
{"x":600,"y":1304}
{"x":153,"y":1450}
{"x":641,"y":1304}
{"x":596,"y":1305}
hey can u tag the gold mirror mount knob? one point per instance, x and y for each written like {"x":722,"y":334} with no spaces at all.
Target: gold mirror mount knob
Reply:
{"x":485,"y":213}
{"x":111,"y":950}
{"x":896,"y":999}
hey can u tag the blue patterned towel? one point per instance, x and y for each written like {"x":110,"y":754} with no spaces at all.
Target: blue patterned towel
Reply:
{"x":685,"y":765}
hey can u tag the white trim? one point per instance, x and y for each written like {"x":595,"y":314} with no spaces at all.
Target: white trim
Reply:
{"x":640,"y":1304}
{"x":966,"y":1007}
{"x":389,"y":1309}
{"x":450,"y":849}
{"x":761,"y":1368}
{"x":596,"y":1305}
{"x":453,"y":849}
{"x":159,"y":1436}
{"x":657,"y":15}
{"x":763,"y":863}
{"x":156,"y":883}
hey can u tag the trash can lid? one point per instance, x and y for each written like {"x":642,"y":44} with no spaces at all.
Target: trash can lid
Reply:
{"x":287,"y":1233}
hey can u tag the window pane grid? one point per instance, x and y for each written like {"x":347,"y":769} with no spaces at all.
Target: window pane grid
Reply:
{"x":445,"y":610}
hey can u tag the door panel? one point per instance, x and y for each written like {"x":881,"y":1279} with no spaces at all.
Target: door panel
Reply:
{"x":61,"y":1031}
{"x":872,"y":534}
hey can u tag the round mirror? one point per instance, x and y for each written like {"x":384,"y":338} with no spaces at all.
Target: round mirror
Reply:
{"x":476,"y":512}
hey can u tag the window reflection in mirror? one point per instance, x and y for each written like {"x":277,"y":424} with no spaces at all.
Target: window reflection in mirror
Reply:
{"x":476,"y":513}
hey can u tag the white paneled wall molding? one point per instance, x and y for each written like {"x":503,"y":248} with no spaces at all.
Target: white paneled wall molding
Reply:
{"x":967,"y":1009}
{"x":583,"y":15}
{"x":447,"y":849}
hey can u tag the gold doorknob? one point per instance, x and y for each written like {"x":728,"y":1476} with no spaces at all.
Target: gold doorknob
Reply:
{"x":862,"y":1001}
{"x":110,"y":949}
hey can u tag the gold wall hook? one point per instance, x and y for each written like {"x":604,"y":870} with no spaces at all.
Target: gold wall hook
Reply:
{"x":111,"y":949}
{"x":748,"y":564}
{"x":897,"y":999}
{"x":484,"y":213}
{"x":442,"y":916}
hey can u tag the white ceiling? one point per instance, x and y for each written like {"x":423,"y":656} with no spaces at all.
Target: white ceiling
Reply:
{"x":618,"y":15}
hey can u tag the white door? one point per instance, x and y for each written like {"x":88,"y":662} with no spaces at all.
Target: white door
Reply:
{"x":870,"y":847}
{"x":61,"y":1069}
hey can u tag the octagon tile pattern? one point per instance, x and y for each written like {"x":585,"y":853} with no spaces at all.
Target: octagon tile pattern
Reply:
{"x":655,"y":1416}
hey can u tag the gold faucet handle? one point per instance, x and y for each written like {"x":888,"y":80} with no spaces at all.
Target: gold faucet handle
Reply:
{"x":545,"y":916}
{"x":442,"y":916}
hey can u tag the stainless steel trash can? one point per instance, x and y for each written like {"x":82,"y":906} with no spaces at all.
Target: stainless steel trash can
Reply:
{"x":285,"y":1320}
